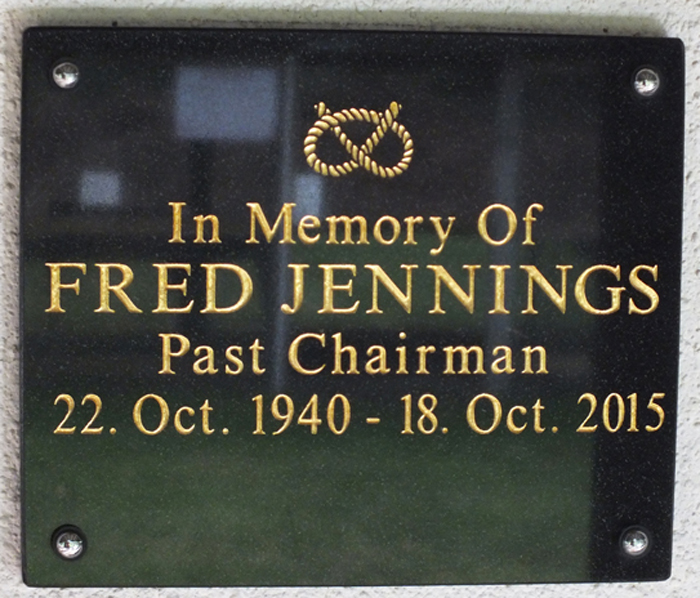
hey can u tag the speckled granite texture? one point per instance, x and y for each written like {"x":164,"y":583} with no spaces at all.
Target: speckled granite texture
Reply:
{"x":673,"y":18}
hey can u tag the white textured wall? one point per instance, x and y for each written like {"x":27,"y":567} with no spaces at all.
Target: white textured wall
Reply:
{"x":673,"y":18}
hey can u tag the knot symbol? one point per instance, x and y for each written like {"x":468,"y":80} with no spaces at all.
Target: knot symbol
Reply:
{"x":360,"y":156}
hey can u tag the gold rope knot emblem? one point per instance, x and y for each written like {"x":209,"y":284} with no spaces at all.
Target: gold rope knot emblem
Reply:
{"x":360,"y":156}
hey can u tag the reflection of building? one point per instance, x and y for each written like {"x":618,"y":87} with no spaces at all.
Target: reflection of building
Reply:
{"x":219,"y":104}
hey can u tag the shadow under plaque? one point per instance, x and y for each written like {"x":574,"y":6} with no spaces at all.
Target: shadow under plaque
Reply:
{"x":348,"y":308}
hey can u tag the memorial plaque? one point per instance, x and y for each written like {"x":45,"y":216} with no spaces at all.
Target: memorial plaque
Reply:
{"x":348,"y":308}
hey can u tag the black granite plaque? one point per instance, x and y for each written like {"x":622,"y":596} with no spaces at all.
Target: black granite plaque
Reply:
{"x":347,"y":308}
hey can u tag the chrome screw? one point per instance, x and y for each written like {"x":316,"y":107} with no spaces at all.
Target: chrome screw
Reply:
{"x":66,"y":75}
{"x":646,"y":82}
{"x":635,"y":542}
{"x":69,"y":542}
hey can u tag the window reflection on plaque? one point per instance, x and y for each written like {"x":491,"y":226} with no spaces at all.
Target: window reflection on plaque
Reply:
{"x":100,"y":190}
{"x":221,"y":104}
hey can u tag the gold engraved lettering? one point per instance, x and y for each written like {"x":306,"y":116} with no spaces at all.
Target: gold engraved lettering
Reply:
{"x":401,"y":350}
{"x":236,"y":361}
{"x":284,"y":217}
{"x":422,"y":357}
{"x":427,"y":414}
{"x":499,"y":290}
{"x":177,"y":221}
{"x":340,"y":349}
{"x":177,"y":421}
{"x":395,"y":230}
{"x":118,"y":289}
{"x":645,"y":289}
{"x":458,"y":359}
{"x":379,"y":275}
{"x":497,"y":413}
{"x":377,"y":362}
{"x":200,"y":220}
{"x":620,"y":410}
{"x":258,"y":400}
{"x":537,"y":408}
{"x":359,"y":156}
{"x":542,"y":353}
{"x":164,"y":414}
{"x":511,"y":424}
{"x":658,"y":409}
{"x":246,"y":288}
{"x":70,"y":403}
{"x":308,"y":223}
{"x":330,"y":414}
{"x":441,"y":232}
{"x":206,"y":410}
{"x":483,"y":227}
{"x":164,"y":286}
{"x":293,"y":353}
{"x":347,"y":224}
{"x":57,"y":285}
{"x":633,"y":412}
{"x":167,"y":350}
{"x":411,"y":221}
{"x":205,"y":364}
{"x":407,"y":415}
{"x":298,"y":284}
{"x":464,"y":353}
{"x":534,"y":275}
{"x":443,"y":277}
{"x":329,"y":287}
{"x":585,"y":427}
{"x":506,"y":360}
{"x":615,"y":292}
{"x":309,"y":415}
{"x":255,"y":349}
{"x":97,"y":402}
{"x":287,"y":417}
{"x":529,"y":219}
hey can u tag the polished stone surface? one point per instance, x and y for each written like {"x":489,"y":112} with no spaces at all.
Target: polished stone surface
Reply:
{"x":218,"y":120}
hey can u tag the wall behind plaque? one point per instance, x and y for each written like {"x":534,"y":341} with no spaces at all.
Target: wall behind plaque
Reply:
{"x":673,"y":18}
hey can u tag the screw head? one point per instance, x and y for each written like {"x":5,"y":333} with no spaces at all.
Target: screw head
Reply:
{"x":635,"y":542}
{"x":66,"y":75}
{"x":646,"y":82}
{"x":69,"y":542}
